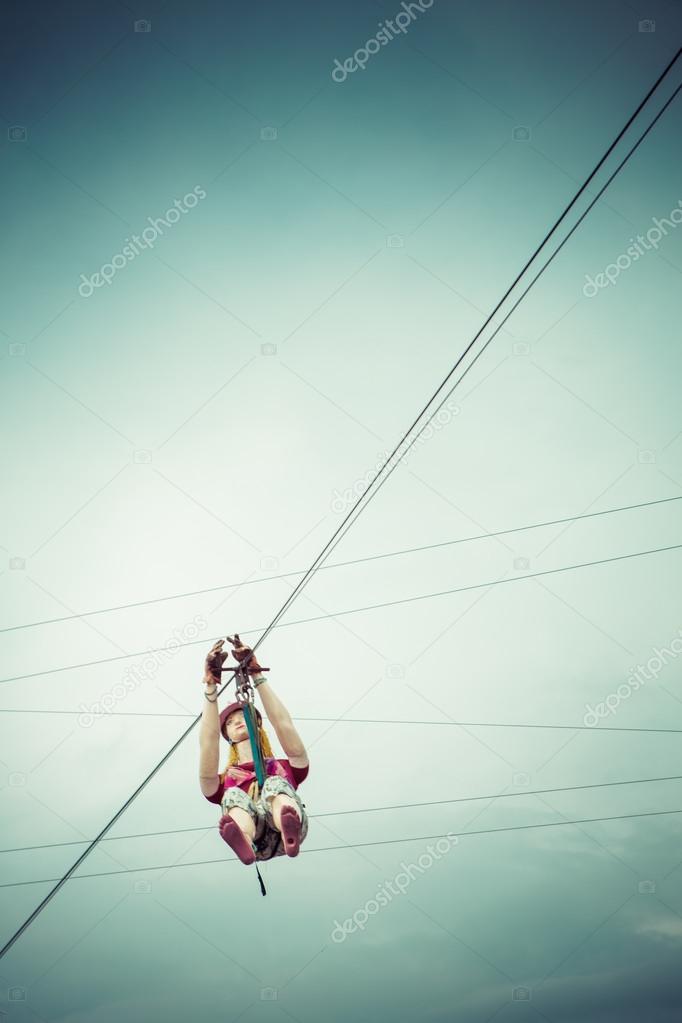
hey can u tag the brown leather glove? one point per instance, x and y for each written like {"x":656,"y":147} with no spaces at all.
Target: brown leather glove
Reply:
{"x":244,"y":655}
{"x":214,"y":662}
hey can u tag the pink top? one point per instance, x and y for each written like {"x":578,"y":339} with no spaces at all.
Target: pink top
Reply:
{"x":243,"y":775}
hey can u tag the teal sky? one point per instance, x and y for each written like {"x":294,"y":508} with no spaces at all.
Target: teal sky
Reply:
{"x":208,"y":415}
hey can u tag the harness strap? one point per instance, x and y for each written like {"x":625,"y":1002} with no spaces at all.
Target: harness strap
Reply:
{"x":252,"y":727}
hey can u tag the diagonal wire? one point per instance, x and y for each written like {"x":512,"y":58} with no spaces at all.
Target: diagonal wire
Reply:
{"x":370,"y":809}
{"x":361,"y":845}
{"x":343,"y":564}
{"x":369,"y":721}
{"x":372,"y":490}
{"x":361,"y":503}
{"x":357,"y":610}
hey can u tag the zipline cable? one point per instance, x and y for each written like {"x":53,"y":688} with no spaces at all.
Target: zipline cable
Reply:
{"x":370,"y":493}
{"x":369,"y":809}
{"x":352,"y":514}
{"x":359,"y":506}
{"x":340,"y":564}
{"x":355,"y":610}
{"x":363,"y":845}
{"x":366,"y":721}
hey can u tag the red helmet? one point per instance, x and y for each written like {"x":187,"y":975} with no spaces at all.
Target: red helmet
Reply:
{"x":237,"y":705}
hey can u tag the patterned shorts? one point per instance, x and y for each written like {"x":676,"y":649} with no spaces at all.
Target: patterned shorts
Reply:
{"x":267,"y":840}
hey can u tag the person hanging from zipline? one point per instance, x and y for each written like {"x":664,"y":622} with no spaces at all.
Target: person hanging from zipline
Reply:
{"x":259,"y":820}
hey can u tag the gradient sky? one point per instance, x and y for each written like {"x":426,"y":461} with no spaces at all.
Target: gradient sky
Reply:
{"x":206,"y":418}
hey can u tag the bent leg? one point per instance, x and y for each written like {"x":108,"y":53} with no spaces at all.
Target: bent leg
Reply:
{"x":231,"y":833}
{"x":277,"y":793}
{"x":241,"y":823}
{"x":244,"y":820}
{"x":276,"y":803}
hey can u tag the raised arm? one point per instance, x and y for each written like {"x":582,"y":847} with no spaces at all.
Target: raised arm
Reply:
{"x":209,"y":730}
{"x":280,"y":719}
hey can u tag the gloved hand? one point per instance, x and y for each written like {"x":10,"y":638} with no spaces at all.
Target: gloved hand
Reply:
{"x":244,"y":655}
{"x":214,"y":662}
